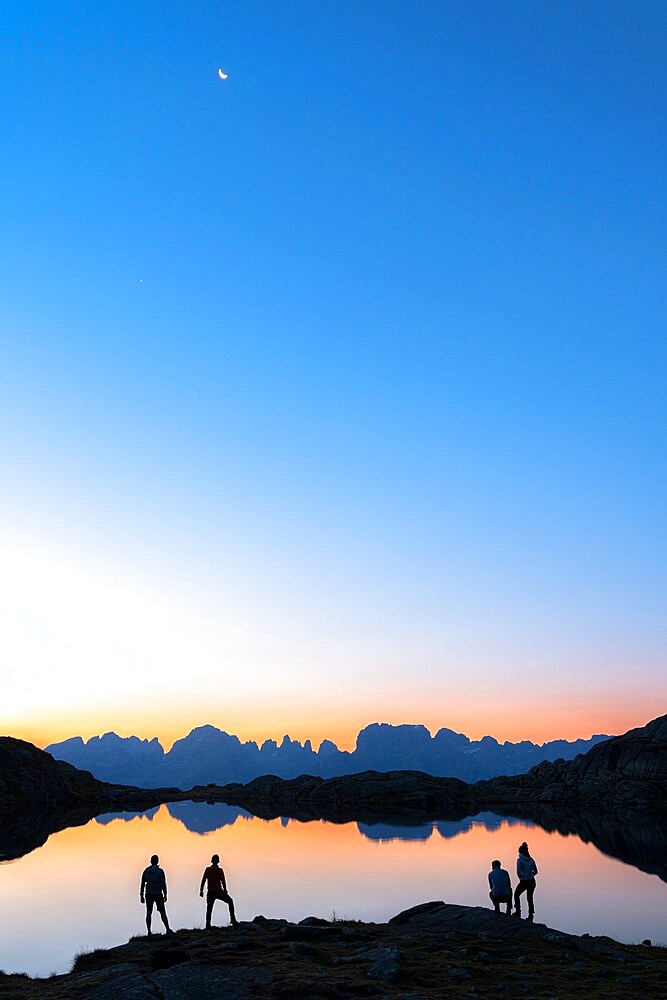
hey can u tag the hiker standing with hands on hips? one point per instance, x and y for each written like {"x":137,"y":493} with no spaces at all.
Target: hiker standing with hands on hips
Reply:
{"x":526,"y":870}
{"x":217,"y":889}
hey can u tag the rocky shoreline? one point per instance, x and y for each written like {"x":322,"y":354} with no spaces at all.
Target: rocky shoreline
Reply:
{"x":431,"y":951}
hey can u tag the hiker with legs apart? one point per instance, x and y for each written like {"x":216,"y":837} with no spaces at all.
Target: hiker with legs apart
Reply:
{"x":526,"y":870}
{"x":214,"y":875}
{"x":154,"y":888}
{"x":500,"y":886}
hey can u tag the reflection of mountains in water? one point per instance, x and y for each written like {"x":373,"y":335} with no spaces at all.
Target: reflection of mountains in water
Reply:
{"x":197,"y":817}
{"x":205,"y":817}
{"x":107,"y":818}
{"x":631,"y":838}
{"x":629,"y":834}
{"x":448,"y":829}
{"x":202,"y":817}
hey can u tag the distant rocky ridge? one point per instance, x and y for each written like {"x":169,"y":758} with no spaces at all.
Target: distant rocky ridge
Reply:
{"x":370,"y":796}
{"x":209,"y":754}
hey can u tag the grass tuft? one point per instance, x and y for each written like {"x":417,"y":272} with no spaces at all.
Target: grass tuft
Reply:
{"x":86,"y":960}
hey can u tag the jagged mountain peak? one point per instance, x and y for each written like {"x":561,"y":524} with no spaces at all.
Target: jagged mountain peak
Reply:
{"x":209,"y":754}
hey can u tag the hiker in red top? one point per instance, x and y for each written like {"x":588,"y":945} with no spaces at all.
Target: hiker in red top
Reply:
{"x":217,"y":889}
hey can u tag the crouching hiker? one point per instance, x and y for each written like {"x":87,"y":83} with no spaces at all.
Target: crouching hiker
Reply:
{"x":501,"y":887}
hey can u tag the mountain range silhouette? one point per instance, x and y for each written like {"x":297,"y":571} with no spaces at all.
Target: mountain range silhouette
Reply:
{"x":210,"y":755}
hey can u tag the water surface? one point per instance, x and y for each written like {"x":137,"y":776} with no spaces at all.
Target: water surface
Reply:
{"x":81,"y":889}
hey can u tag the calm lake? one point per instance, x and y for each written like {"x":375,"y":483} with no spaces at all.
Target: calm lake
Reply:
{"x":81,"y":889}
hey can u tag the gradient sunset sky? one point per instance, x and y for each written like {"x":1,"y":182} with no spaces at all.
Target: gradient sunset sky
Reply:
{"x":333,"y":392}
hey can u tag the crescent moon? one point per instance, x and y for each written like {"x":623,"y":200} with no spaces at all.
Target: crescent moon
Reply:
{"x":223,"y":76}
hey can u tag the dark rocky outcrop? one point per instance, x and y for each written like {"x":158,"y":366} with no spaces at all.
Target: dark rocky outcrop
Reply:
{"x":40,"y":795}
{"x":366,"y":797}
{"x":431,"y":951}
{"x":628,"y":770}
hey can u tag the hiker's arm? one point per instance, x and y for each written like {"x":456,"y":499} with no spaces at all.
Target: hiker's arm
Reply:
{"x":203,"y":883}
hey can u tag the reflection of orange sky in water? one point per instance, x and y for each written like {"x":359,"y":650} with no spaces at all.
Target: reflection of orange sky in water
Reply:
{"x":266,"y":863}
{"x":87,"y":880}
{"x":324,"y":866}
{"x":551,"y":721}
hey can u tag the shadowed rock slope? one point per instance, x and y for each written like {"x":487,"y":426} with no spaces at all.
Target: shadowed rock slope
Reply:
{"x":40,"y":795}
{"x":432,"y":951}
{"x":628,"y":770}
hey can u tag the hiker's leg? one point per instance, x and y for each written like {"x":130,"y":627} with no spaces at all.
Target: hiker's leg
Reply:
{"x":230,"y":903}
{"x":163,"y":913}
{"x":517,"y":897}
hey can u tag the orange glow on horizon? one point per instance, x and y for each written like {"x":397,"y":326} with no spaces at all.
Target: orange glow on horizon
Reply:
{"x":542,"y":725}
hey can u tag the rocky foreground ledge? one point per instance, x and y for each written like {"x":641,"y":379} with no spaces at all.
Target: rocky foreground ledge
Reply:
{"x":434,"y":950}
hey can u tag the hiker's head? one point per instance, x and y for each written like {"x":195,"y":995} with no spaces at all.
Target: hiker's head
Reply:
{"x":154,"y":859}
{"x":495,"y":864}
{"x":523,"y":848}
{"x":215,"y":860}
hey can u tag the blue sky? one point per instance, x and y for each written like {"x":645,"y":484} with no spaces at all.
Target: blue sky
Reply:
{"x":357,"y":357}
